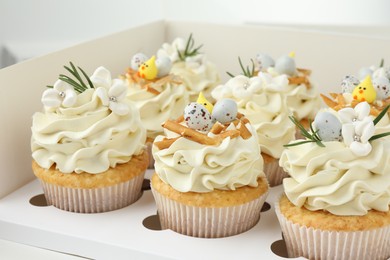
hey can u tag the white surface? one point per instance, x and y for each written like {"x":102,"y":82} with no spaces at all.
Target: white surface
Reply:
{"x":120,"y":233}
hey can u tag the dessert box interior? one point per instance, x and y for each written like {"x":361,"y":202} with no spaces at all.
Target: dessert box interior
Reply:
{"x":133,"y":232}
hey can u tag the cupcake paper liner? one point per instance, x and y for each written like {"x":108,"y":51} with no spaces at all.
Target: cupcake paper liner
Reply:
{"x":323,"y":244}
{"x":207,"y":222}
{"x":274,"y":173}
{"x":151,"y":159}
{"x":94,"y":200}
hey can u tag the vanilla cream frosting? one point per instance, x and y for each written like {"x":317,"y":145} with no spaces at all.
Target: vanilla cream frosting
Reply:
{"x":304,"y":102}
{"x":262,"y":103}
{"x":334,"y":179}
{"x":87,"y":137}
{"x":197,"y":73}
{"x":156,"y":109}
{"x":190,"y":166}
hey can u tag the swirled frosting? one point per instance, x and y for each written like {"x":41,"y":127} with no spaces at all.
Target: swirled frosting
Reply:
{"x":156,"y":109}
{"x":265,"y":107}
{"x":87,"y":137}
{"x":197,"y":73}
{"x":304,"y":102}
{"x":334,"y":179}
{"x":190,"y":166}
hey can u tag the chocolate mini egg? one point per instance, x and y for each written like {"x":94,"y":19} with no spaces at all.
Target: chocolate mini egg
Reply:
{"x":328,"y":126}
{"x":285,"y":65}
{"x":164,"y":65}
{"x":197,"y":117}
{"x":225,"y":111}
{"x":264,"y":61}
{"x":349,"y":83}
{"x":137,"y":60}
{"x":382,"y":87}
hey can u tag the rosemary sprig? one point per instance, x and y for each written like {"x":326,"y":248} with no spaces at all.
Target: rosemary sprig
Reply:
{"x":312,"y":137}
{"x":246,"y":71}
{"x":189,"y":50}
{"x":382,"y":63}
{"x":77,"y":83}
{"x":381,"y":114}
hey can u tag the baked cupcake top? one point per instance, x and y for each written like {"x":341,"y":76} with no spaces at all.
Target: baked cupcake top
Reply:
{"x":197,"y":72}
{"x":341,"y":167}
{"x":158,"y":94}
{"x":87,"y":124}
{"x":211,"y":150}
{"x":301,"y":95}
{"x":264,"y":105}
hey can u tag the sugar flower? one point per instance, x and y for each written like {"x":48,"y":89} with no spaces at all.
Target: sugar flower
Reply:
{"x":61,"y":94}
{"x":353,"y":115}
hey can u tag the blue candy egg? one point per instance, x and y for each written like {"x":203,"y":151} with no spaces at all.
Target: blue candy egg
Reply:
{"x":264,"y":61}
{"x":349,"y":83}
{"x":225,"y":111}
{"x":164,"y":65}
{"x":328,"y":126}
{"x":137,"y":60}
{"x":286,"y":65}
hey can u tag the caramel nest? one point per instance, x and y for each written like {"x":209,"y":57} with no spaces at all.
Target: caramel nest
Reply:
{"x":337,"y":102}
{"x":151,"y":86}
{"x":218,"y":129}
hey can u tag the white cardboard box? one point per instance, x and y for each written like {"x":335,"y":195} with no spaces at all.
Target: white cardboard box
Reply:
{"x":121,"y":234}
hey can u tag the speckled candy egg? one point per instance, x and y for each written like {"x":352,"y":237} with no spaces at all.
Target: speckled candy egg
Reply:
{"x":285,"y":65}
{"x":164,"y":65}
{"x":197,"y":117}
{"x":137,"y":60}
{"x":349,"y":83}
{"x":363,"y":72}
{"x":225,"y":111}
{"x":264,"y":61}
{"x":382,"y":87}
{"x":328,"y":126}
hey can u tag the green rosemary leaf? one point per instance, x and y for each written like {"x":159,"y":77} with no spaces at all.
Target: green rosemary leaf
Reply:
{"x":382,"y":63}
{"x":86,"y":76}
{"x":188,"y":44}
{"x":230,"y":74}
{"x":77,"y":75}
{"x":49,"y":86}
{"x":313,"y":137}
{"x":180,"y":55}
{"x":298,"y":143}
{"x":70,"y":81}
{"x":381,"y":114}
{"x":253,"y":68}
{"x":319,"y":143}
{"x":374,"y":137}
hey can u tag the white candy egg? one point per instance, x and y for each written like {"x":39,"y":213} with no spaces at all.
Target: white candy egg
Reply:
{"x":264,"y":61}
{"x":164,"y":65}
{"x":363,"y":72}
{"x":328,"y":126}
{"x":137,"y":60}
{"x":225,"y":111}
{"x":197,"y":117}
{"x":382,"y":87}
{"x":349,"y":83}
{"x":285,"y":65}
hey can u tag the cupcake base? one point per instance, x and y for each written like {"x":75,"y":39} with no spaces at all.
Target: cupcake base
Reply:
{"x":209,"y":215}
{"x":340,"y":243}
{"x":94,"y":193}
{"x":274,"y":173}
{"x":149,"y":144}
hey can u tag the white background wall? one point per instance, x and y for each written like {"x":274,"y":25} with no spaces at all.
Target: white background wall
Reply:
{"x":33,"y":27}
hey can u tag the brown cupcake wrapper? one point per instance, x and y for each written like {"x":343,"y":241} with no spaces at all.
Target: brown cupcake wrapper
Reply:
{"x":323,"y":244}
{"x":149,"y":150}
{"x":94,"y":200}
{"x":274,"y":173}
{"x":207,"y":222}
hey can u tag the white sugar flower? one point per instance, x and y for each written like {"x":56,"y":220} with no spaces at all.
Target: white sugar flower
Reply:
{"x":353,"y":115}
{"x":111,"y":92}
{"x":61,"y":94}
{"x":243,"y":87}
{"x":357,"y":134}
{"x":171,"y":50}
{"x":278,"y":83}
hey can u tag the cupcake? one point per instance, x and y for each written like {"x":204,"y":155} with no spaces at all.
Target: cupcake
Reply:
{"x":373,"y":86}
{"x":157,"y":94}
{"x":193,"y":67}
{"x":337,"y":198}
{"x":88,"y":144}
{"x":209,"y":179}
{"x":302,"y":96}
{"x":260,"y":100}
